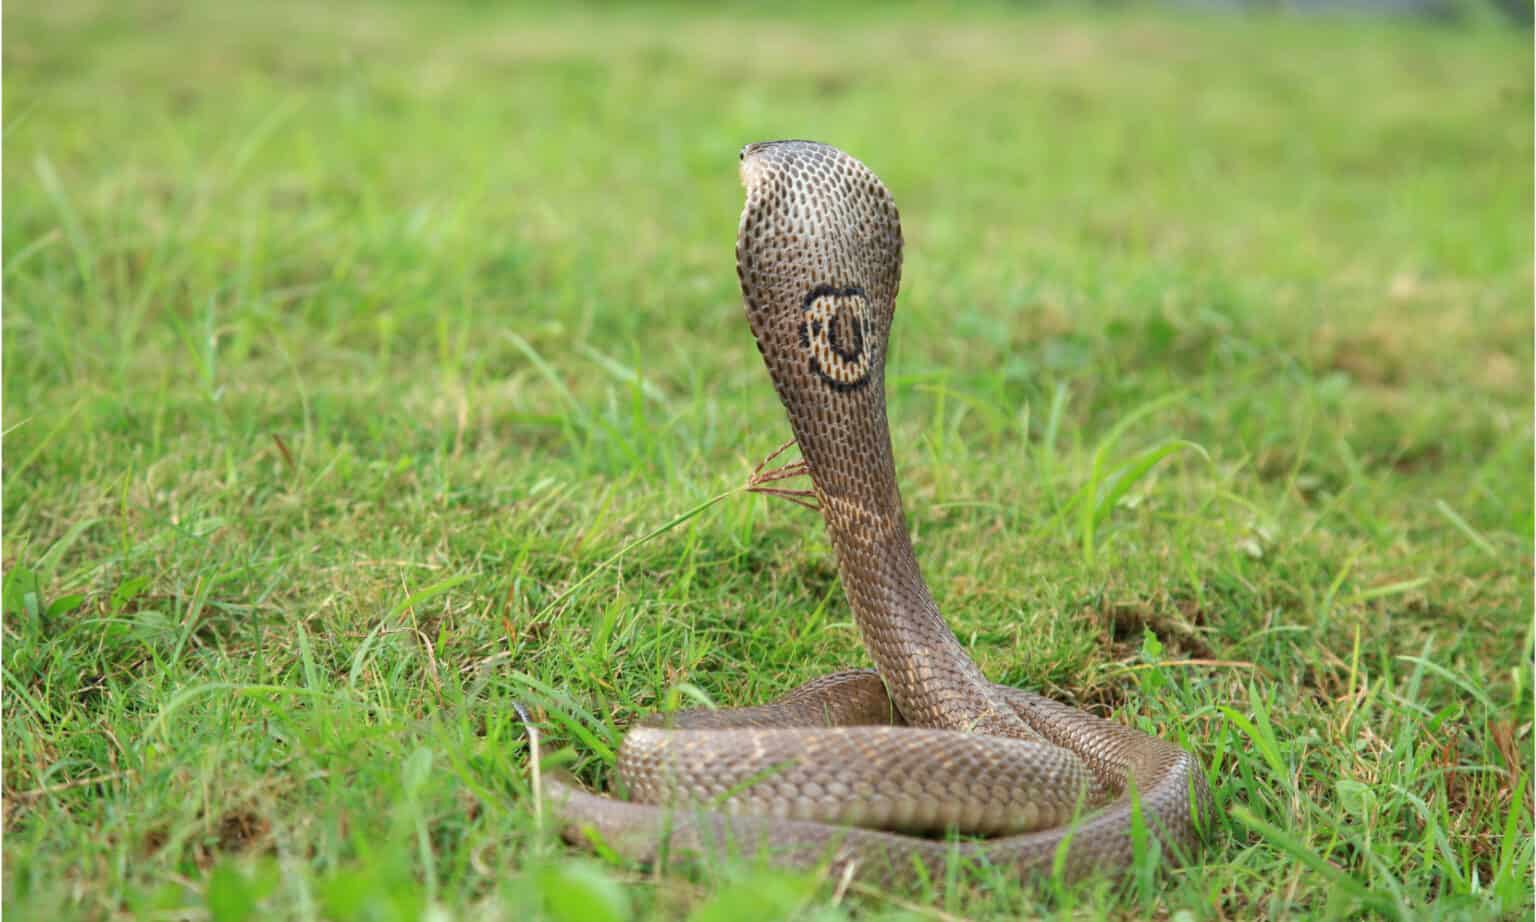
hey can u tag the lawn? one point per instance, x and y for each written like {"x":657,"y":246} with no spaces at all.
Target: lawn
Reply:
{"x":369,"y":369}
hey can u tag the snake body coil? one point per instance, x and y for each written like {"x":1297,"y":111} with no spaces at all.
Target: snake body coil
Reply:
{"x":853,"y":768}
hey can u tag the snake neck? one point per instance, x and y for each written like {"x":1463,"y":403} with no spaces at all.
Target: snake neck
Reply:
{"x":931,"y":679}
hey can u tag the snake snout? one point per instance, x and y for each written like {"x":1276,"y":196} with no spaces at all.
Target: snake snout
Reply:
{"x":785,"y":152}
{"x":752,"y":162}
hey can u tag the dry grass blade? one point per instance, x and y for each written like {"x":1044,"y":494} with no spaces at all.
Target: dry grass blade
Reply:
{"x":760,"y":477}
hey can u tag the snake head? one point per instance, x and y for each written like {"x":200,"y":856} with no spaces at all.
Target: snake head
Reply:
{"x":818,"y":254}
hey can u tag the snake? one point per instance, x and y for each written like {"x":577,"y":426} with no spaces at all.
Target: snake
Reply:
{"x":892,"y":774}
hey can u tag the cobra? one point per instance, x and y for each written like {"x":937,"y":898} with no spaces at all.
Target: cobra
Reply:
{"x":864,"y":771}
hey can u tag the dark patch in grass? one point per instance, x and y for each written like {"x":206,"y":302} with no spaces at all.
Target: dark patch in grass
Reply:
{"x":153,"y":840}
{"x":241,"y":830}
{"x":1174,"y":622}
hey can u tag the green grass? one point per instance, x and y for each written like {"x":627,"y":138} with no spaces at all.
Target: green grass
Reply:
{"x":344,"y":344}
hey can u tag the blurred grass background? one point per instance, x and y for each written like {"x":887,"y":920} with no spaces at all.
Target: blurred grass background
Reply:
{"x":341,"y":340}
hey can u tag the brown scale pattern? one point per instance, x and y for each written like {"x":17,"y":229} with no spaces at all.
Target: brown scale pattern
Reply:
{"x":925,"y":743}
{"x":897,"y":778}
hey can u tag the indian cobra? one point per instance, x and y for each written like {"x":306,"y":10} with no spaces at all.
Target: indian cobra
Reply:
{"x":864,"y":771}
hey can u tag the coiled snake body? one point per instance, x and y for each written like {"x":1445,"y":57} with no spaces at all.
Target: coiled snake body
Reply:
{"x":853,"y":769}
